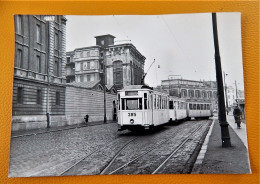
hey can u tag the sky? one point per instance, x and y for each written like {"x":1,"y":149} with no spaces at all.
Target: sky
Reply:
{"x":181,"y":44}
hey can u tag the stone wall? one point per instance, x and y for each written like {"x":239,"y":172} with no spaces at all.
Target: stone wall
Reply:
{"x":80,"y":101}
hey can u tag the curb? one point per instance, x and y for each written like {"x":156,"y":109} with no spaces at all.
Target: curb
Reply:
{"x":198,"y":163}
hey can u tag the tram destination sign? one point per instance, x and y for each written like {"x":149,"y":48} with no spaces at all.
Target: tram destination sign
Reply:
{"x":131,"y":93}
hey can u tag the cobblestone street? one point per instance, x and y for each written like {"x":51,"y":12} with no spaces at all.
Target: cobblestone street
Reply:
{"x":101,"y":149}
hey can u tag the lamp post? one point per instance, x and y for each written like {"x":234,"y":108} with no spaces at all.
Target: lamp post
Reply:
{"x":48,"y":19}
{"x":221,"y":102}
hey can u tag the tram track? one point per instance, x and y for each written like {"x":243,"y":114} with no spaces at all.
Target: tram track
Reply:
{"x":84,"y":157}
{"x":176,"y":149}
{"x":148,"y":151}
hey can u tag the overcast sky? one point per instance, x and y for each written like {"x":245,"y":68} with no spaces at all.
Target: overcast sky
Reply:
{"x":182,"y":44}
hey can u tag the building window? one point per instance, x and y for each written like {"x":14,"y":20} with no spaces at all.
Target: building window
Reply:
{"x":81,"y":66}
{"x":209,"y":94}
{"x":20,"y":95}
{"x":56,"y":68}
{"x":39,"y":96}
{"x":57,"y":98}
{"x":38,"y":64}
{"x":68,"y":59}
{"x":19,"y":60}
{"x":56,"y":41}
{"x":81,"y":78}
{"x":118,"y":72}
{"x":19,"y":24}
{"x":38,"y":33}
{"x":88,"y":65}
{"x":88,"y":78}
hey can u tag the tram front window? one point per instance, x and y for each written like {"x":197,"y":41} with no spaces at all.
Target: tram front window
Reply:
{"x":132,"y":104}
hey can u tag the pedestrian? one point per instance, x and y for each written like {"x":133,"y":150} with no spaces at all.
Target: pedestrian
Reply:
{"x":86,"y":118}
{"x":237,"y":115}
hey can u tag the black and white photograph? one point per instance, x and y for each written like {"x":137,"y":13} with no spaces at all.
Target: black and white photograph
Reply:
{"x":128,"y":94}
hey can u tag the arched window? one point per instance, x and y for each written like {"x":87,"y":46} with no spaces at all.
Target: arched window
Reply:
{"x":204,"y":95}
{"x":183,"y":93}
{"x":191,"y":93}
{"x":197,"y":94}
{"x":209,"y":94}
{"x":118,"y":73}
{"x":215,"y":94}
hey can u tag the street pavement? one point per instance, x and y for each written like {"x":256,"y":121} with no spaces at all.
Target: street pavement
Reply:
{"x":56,"y":148}
{"x":230,"y":160}
{"x":86,"y":150}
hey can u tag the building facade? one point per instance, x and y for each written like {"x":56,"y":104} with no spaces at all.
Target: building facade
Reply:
{"x":118,"y":65}
{"x":231,"y":96}
{"x":191,"y":90}
{"x":39,"y":67}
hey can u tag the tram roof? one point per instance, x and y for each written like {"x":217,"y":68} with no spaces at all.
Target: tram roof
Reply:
{"x":137,"y":87}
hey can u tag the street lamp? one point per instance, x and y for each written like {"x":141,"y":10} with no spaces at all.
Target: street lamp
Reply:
{"x":48,"y":19}
{"x":221,"y":102}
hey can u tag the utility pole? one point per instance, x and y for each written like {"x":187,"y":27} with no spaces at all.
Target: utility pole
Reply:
{"x":221,"y":102}
{"x":236,"y":89}
{"x":105,"y":115}
{"x":225,"y":91}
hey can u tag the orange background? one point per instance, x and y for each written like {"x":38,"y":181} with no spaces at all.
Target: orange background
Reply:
{"x":250,"y":43}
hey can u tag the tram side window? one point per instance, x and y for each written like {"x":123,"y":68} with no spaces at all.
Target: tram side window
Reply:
{"x":207,"y":106}
{"x":201,"y":106}
{"x":163,"y":103}
{"x":123,"y":104}
{"x":155,"y":101}
{"x":190,"y":106}
{"x":194,"y":106}
{"x":118,"y":101}
{"x":159,"y":100}
{"x":140,"y":103}
{"x":170,"y":104}
{"x":145,"y":100}
{"x":198,"y":106}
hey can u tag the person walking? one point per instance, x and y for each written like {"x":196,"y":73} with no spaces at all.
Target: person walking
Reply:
{"x":237,"y":115}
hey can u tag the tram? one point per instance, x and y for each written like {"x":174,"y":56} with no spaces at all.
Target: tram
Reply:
{"x":141,"y":106}
{"x":177,"y":109}
{"x":199,"y":110}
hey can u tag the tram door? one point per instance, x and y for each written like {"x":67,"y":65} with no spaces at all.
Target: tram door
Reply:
{"x":147,"y":118}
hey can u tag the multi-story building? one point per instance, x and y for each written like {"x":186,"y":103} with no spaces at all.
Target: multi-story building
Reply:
{"x":231,"y":96}
{"x":122,"y":64}
{"x":70,"y":68}
{"x":39,"y":70}
{"x":191,"y":90}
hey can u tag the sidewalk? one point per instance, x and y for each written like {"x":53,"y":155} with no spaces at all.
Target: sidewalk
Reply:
{"x":232,"y":160}
{"x":22,"y":133}
{"x":242,"y":133}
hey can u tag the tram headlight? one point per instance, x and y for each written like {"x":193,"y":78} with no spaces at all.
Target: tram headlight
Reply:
{"x":132,"y":121}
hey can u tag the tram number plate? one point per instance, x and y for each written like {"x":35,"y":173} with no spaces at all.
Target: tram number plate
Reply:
{"x":131,"y":114}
